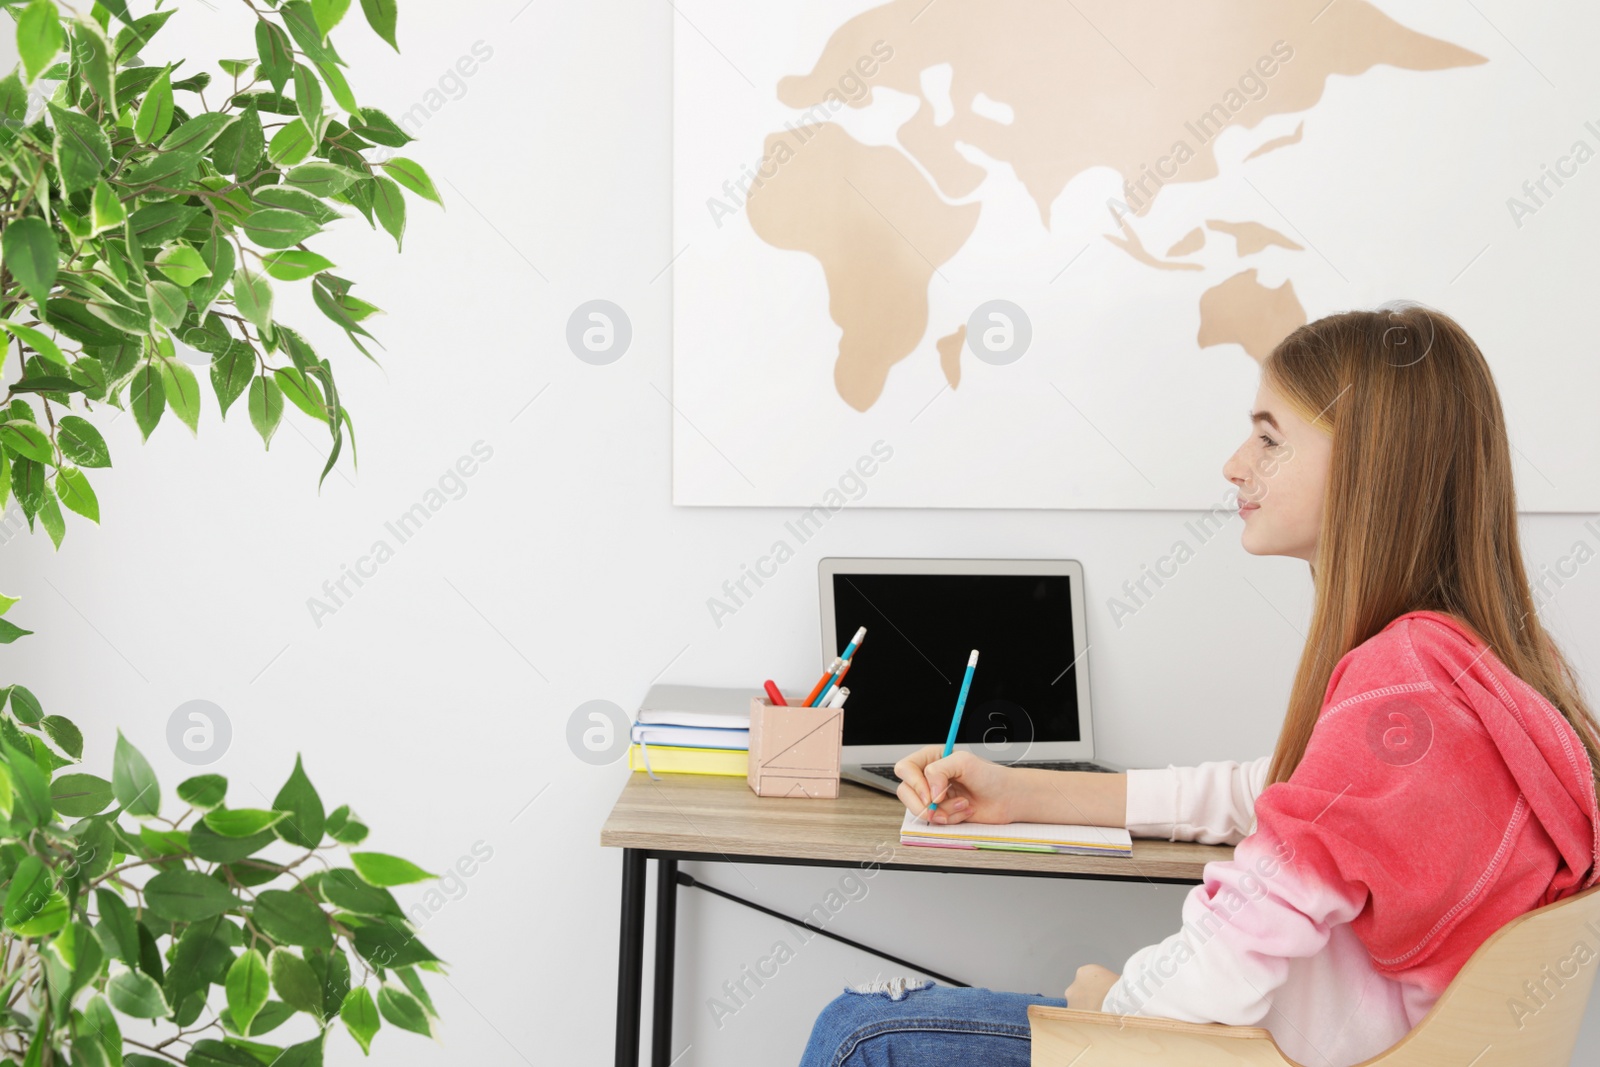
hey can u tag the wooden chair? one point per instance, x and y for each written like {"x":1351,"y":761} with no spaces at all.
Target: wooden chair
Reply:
{"x":1471,"y":1023}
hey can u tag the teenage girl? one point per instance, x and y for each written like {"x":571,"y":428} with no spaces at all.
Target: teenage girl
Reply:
{"x":1434,"y":776}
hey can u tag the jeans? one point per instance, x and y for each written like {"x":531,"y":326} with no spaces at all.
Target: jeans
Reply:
{"x":901,"y":1024}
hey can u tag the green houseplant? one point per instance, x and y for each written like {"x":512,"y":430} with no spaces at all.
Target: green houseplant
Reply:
{"x":146,"y":213}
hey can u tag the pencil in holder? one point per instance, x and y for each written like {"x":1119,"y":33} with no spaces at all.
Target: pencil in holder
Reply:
{"x":794,"y":751}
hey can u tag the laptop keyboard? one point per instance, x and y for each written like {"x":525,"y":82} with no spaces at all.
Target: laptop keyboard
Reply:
{"x":886,"y":770}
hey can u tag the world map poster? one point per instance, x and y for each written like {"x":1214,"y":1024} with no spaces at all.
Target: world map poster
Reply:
{"x":1029,"y":253}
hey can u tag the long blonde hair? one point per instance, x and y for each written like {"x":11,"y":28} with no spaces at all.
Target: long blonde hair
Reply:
{"x":1420,"y":510}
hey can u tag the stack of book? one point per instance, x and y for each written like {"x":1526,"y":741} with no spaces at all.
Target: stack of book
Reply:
{"x":692,"y":729}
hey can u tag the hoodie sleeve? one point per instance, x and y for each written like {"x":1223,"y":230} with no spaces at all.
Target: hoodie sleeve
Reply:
{"x":1293,"y":879}
{"x":1211,"y":803}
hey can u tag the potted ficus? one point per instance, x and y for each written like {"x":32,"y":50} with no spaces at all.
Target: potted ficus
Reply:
{"x":148,"y":209}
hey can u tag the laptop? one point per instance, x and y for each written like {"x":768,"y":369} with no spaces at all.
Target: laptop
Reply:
{"x":1029,"y":701}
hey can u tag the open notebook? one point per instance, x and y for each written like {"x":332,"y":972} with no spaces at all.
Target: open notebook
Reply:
{"x":1018,"y":837}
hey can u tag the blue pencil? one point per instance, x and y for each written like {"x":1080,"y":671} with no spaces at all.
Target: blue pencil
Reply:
{"x":833,"y":675}
{"x":961,"y":702}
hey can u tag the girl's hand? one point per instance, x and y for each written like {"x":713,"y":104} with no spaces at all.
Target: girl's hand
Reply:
{"x":1088,"y":990}
{"x":966,"y":787}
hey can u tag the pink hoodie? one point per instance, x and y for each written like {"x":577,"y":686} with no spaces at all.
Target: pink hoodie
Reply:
{"x":1440,"y":796}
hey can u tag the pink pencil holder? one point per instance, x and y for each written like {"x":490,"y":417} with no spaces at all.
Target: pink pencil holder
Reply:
{"x":794,"y":752}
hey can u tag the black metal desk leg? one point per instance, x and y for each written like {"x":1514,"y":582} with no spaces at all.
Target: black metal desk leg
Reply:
{"x":666,"y":941}
{"x":630,"y":958}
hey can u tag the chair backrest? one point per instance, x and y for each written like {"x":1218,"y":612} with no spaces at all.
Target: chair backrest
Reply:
{"x":1519,"y":1001}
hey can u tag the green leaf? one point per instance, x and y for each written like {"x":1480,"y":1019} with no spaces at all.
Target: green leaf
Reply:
{"x":210,"y":845}
{"x":203,"y":791}
{"x":302,"y":24}
{"x":202,"y":956}
{"x":344,"y":889}
{"x":106,"y":211}
{"x":197,"y":134}
{"x":390,"y":205}
{"x":168,"y":303}
{"x":275,"y":52}
{"x":30,"y":791}
{"x":187,"y":896}
{"x":241,"y":822}
{"x":299,"y":798}
{"x":235,"y":67}
{"x":155,"y":111}
{"x":37,"y":340}
{"x":403,"y":1010}
{"x":337,"y":86}
{"x":210,"y":1052}
{"x":195,"y":83}
{"x":413,"y":982}
{"x":10,"y":631}
{"x":328,"y":13}
{"x":181,"y":263}
{"x":308,"y":100}
{"x":381,"y":17}
{"x":138,"y":33}
{"x":164,"y":842}
{"x":182,"y":391}
{"x":300,"y":392}
{"x":218,"y":256}
{"x":345,"y":827}
{"x":290,"y":144}
{"x":133,"y":781}
{"x":279,"y":228}
{"x":13,"y":97}
{"x":68,"y":738}
{"x":93,"y":53}
{"x":238,"y":150}
{"x":33,"y":904}
{"x":81,"y":149}
{"x":156,"y":224}
{"x":247,"y":986}
{"x":24,"y":705}
{"x":27,"y":482}
{"x":50,"y":516}
{"x":147,"y":397}
{"x":291,"y":918}
{"x":321,"y":179}
{"x":25,"y":439}
{"x":410,"y":174}
{"x":136,"y":994}
{"x":39,"y":36}
{"x":79,"y":795}
{"x":252,"y":295}
{"x":295,"y":981}
{"x":295,"y":264}
{"x":81,"y":442}
{"x":297,"y":201}
{"x":73,"y":489}
{"x":119,"y":930}
{"x":266,"y":407}
{"x":231,"y":372}
{"x":29,"y":249}
{"x":167,"y":169}
{"x":100,"y":1027}
{"x":360,"y":1017}
{"x":379,"y":869}
{"x":304,"y":1054}
{"x":379,"y":128}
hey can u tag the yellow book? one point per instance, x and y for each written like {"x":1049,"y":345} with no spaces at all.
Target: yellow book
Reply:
{"x":672,"y":759}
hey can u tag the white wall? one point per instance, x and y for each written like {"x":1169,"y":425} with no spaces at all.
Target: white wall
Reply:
{"x":436,"y":700}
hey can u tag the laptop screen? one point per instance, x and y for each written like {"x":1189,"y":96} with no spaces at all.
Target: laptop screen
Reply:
{"x":921,"y":628}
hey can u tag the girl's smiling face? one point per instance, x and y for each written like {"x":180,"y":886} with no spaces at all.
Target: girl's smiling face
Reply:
{"x":1280,"y":470}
